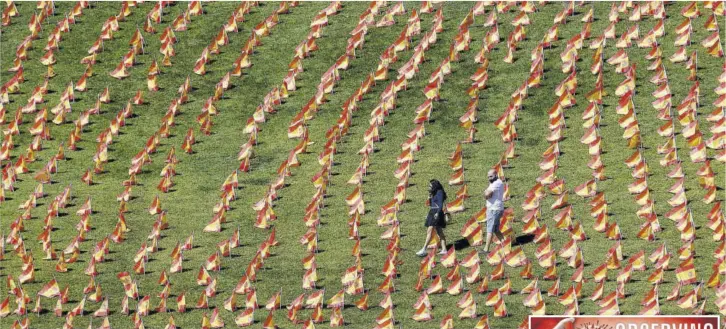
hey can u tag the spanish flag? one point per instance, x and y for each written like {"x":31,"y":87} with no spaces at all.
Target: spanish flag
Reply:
{"x":50,"y":290}
{"x":686,"y":272}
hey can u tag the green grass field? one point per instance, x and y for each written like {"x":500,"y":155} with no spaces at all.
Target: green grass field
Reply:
{"x":190,"y":202}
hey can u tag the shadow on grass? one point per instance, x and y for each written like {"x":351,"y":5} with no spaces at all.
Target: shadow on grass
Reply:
{"x":461,"y":244}
{"x":518,"y":241}
{"x":523,"y":239}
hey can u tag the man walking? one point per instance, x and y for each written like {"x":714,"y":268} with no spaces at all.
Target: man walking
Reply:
{"x":494,"y":194}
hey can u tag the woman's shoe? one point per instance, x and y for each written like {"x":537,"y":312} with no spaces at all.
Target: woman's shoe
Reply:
{"x":442,"y":252}
{"x":421,"y":252}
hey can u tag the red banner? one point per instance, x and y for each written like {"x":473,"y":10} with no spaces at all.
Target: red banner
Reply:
{"x":624,"y":322}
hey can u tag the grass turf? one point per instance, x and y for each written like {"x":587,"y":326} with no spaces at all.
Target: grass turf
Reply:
{"x":190,"y":202}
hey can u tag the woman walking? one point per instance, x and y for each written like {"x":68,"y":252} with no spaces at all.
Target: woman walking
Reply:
{"x":435,"y":220}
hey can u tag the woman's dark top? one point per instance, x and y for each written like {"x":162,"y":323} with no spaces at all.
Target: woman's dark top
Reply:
{"x":436,"y":206}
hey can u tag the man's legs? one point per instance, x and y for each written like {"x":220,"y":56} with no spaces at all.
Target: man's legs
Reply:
{"x":499,"y":235}
{"x":500,"y":238}
{"x":493,"y":218}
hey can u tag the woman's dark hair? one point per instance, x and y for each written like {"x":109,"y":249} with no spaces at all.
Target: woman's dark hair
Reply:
{"x":435,"y":187}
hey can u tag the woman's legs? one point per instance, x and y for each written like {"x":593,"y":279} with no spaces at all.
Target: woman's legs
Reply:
{"x":442,"y":237}
{"x":429,"y":233}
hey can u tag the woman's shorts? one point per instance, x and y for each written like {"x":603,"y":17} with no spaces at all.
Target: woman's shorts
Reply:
{"x":432,"y":220}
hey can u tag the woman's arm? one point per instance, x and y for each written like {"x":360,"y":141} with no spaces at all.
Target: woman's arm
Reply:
{"x":438,"y":201}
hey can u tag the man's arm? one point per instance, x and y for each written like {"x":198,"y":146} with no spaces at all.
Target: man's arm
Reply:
{"x":488,"y":192}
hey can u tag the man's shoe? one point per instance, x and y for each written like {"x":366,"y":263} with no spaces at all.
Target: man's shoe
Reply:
{"x":421,"y":253}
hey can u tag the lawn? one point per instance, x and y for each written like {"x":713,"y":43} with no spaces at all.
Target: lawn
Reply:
{"x":200,"y":175}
